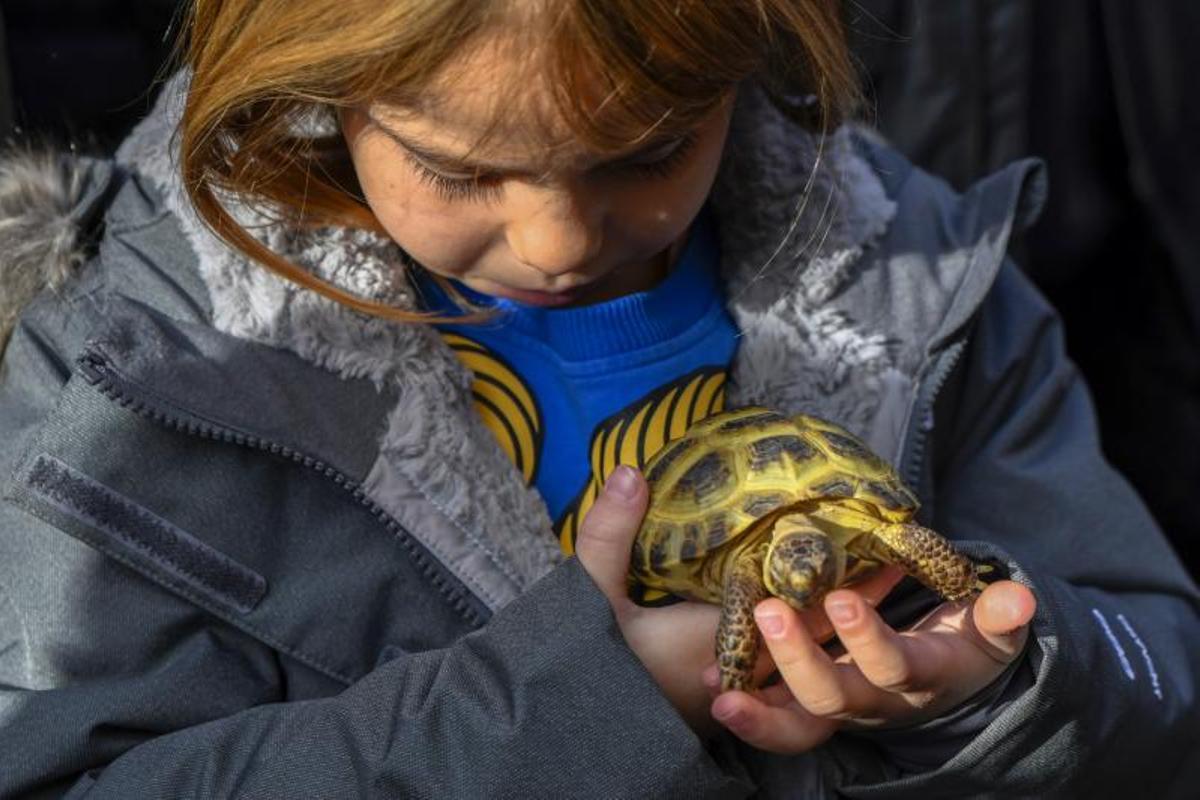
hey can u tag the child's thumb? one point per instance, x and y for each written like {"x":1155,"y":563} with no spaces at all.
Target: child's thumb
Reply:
{"x":1001,"y":615}
{"x":607,"y":533}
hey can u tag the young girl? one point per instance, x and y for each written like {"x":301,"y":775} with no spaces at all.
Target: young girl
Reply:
{"x":315,"y":386}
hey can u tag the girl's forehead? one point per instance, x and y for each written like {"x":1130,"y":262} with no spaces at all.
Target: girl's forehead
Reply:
{"x":490,"y":99}
{"x":506,"y":96}
{"x":503,"y":141}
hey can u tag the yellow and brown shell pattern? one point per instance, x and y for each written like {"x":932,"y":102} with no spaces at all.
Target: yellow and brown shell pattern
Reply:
{"x":713,"y":489}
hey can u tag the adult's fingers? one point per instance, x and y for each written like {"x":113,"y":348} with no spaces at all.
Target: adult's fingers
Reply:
{"x":607,"y":532}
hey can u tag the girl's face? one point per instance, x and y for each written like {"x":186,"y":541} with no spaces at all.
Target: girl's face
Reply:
{"x":529,"y":214}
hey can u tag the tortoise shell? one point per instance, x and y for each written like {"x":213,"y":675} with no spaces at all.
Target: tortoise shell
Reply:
{"x":718,"y":487}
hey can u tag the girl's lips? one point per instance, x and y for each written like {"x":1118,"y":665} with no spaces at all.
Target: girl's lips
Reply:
{"x":545,"y":299}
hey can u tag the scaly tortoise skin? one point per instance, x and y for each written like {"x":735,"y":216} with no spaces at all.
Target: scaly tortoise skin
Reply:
{"x":749,"y":503}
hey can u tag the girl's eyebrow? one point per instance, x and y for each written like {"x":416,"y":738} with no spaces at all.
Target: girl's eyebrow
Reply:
{"x":441,"y":160}
{"x":451,"y":163}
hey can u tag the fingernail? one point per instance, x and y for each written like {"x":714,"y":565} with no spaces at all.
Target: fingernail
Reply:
{"x":770,"y":624}
{"x":622,"y":483}
{"x":1004,"y":611}
{"x":841,"y":612}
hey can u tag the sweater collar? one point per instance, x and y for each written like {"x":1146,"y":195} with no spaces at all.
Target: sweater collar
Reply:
{"x":620,"y":326}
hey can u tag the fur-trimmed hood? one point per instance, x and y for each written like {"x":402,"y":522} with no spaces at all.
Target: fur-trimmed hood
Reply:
{"x":807,"y":281}
{"x":42,"y":232}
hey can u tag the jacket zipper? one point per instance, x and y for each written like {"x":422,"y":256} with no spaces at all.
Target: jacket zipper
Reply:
{"x":97,"y":370}
{"x":914,"y":459}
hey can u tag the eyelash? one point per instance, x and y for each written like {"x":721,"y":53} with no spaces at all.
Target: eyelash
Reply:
{"x":453,"y":189}
{"x":665,"y":166}
{"x":485,"y":190}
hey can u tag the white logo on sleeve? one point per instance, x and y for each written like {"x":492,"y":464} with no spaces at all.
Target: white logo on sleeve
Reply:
{"x":1127,"y":667}
{"x":1154,"y":684}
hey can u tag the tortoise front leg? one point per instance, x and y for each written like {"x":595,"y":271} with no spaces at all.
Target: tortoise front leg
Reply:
{"x":737,"y":635}
{"x":932,"y":559}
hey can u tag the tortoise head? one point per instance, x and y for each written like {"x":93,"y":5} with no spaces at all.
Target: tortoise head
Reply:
{"x":802,"y":564}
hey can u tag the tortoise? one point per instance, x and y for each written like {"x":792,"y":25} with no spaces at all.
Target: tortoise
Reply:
{"x":750,"y":503}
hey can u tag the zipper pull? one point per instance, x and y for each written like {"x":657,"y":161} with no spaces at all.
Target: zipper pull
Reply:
{"x":93,"y":366}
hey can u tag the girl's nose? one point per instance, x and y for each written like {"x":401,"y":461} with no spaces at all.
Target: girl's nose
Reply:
{"x":556,"y":231}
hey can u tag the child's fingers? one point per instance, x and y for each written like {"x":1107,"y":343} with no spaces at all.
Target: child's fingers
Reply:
{"x":608,"y":531}
{"x":1001,"y":616}
{"x":777,"y":695}
{"x":888,"y":660}
{"x":821,"y":686}
{"x":784,"y":728}
{"x":872,"y":589}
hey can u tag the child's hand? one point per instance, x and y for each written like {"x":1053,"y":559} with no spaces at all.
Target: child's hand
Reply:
{"x":674,"y":642}
{"x":884,"y":678}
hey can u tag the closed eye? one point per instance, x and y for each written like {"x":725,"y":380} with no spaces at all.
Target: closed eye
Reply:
{"x":451,"y":188}
{"x":661,"y":163}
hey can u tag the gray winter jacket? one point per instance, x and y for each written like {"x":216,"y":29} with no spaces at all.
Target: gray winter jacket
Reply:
{"x":254,"y":544}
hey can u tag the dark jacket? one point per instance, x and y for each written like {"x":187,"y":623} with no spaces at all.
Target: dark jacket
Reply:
{"x":253,"y":544}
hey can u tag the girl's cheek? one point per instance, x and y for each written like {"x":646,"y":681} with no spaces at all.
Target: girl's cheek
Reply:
{"x":445,"y":239}
{"x":657,"y":215}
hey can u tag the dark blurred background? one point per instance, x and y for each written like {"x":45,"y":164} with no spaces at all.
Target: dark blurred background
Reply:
{"x":81,"y":71}
{"x":1103,"y":90}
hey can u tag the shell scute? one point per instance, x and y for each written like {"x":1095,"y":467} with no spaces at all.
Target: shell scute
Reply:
{"x":707,"y":478}
{"x":837,"y":487}
{"x":848,"y":447}
{"x":892,"y":495}
{"x":658,"y":553}
{"x":756,"y":419}
{"x":689,"y":548}
{"x":771,"y":450}
{"x":666,"y":458}
{"x":759,"y":505}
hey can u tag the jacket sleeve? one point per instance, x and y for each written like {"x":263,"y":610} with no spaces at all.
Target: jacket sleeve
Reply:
{"x":529,"y":706}
{"x":1108,"y":702}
